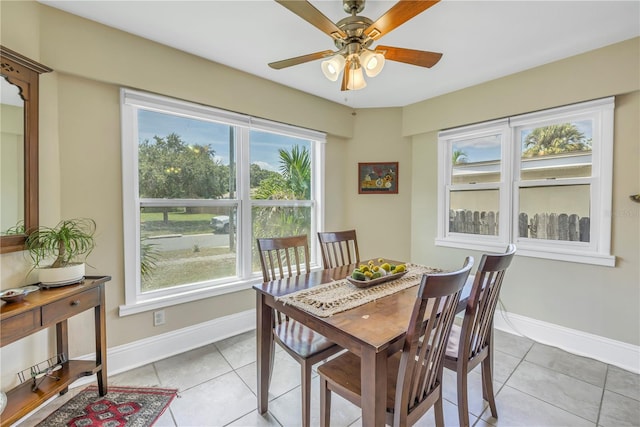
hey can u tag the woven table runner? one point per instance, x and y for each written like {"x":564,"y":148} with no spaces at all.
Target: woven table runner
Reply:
{"x":340,"y":295}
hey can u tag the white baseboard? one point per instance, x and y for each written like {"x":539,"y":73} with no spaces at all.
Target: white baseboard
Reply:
{"x":147,"y":350}
{"x":129,"y":356}
{"x":618,"y":353}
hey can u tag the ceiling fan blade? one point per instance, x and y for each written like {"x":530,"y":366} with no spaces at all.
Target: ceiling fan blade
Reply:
{"x":420,"y":58}
{"x":400,"y":13}
{"x":278,"y":65}
{"x":309,"y":13}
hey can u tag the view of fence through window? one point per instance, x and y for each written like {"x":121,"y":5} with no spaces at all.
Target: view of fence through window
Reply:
{"x":189,"y":202}
{"x":475,"y":162}
{"x":555,"y":167}
{"x":554,"y":191}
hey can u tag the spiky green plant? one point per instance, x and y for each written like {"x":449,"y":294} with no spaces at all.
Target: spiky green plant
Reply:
{"x":68,"y":241}
{"x":16,"y":229}
{"x":149,"y":257}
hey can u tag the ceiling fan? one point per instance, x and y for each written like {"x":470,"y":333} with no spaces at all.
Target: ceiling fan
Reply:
{"x":353,"y":37}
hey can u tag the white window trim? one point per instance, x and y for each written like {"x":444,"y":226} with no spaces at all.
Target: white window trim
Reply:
{"x":131,"y":100}
{"x":461,"y":240}
{"x":597,"y":251}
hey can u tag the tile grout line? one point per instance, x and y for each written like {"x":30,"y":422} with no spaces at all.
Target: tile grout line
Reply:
{"x":155,"y":371}
{"x":551,"y":403}
{"x":234,"y":370}
{"x":505,"y":382}
{"x":604,"y":386}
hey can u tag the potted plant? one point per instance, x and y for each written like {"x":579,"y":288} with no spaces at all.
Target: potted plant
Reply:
{"x":68,"y":243}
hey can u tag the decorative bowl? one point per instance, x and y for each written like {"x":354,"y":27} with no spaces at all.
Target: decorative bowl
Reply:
{"x":13,"y":295}
{"x":367,"y":283}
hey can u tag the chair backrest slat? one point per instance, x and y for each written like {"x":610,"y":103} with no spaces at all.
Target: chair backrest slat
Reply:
{"x":275,"y":260}
{"x":421,"y":363}
{"x":339,"y":248}
{"x":337,"y":252}
{"x":478,"y":319}
{"x":282,"y":257}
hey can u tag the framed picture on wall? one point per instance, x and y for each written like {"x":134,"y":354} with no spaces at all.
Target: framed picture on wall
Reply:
{"x":378,"y":178}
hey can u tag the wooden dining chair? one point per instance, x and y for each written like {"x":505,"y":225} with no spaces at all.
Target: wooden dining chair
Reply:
{"x":414,"y":375}
{"x":339,"y":248}
{"x":284,"y":257}
{"x":472,"y":343}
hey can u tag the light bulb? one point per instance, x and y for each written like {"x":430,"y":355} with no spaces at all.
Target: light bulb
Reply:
{"x":356,"y":80}
{"x":332,"y":67}
{"x":372,"y":62}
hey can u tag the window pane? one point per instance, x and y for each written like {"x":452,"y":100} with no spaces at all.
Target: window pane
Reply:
{"x":555,"y":213}
{"x":279,"y":221}
{"x":184,"y":245}
{"x":474,"y":212}
{"x":556,"y":151}
{"x":475,"y":160}
{"x":280,"y":167}
{"x":184,"y":158}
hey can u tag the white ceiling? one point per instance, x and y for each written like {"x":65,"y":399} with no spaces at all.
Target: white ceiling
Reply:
{"x":480,"y":40}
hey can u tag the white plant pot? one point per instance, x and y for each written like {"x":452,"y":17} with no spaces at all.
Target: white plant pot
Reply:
{"x":61,"y":276}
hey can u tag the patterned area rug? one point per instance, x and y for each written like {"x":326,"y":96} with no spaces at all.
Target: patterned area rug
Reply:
{"x":120,"y":407}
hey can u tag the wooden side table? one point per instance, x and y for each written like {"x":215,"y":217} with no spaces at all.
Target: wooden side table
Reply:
{"x":48,"y":307}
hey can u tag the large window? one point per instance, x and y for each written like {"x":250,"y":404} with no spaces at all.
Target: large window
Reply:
{"x":540,"y":180}
{"x":199,"y":186}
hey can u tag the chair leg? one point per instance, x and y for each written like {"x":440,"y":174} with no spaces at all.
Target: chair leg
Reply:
{"x":439,"y":412}
{"x":487,"y":385}
{"x":485,"y":396}
{"x":325,"y":403}
{"x":271,"y":361}
{"x":463,"y":402}
{"x":306,"y":393}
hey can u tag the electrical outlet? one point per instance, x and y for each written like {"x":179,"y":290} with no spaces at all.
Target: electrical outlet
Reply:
{"x":158,"y":318}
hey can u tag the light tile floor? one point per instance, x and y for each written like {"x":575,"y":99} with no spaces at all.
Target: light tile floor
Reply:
{"x":536,"y":385}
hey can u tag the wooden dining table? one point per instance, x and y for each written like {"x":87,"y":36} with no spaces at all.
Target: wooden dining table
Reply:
{"x":373,"y":331}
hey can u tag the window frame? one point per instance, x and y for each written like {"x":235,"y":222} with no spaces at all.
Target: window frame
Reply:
{"x":131,"y":101}
{"x":597,"y":250}
{"x":463,"y":240}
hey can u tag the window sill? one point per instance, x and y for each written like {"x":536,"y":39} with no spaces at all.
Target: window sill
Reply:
{"x":191,"y":295}
{"x":184,"y":297}
{"x":547,"y":253}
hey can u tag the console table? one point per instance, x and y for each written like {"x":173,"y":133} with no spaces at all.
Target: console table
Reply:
{"x":47,"y":307}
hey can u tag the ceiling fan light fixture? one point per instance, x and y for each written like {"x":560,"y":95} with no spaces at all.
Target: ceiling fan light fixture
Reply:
{"x":372,"y":62}
{"x":332,"y":67}
{"x":356,"y":79}
{"x":353,"y":36}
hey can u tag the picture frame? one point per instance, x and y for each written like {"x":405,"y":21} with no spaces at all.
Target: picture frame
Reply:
{"x":378,"y":178}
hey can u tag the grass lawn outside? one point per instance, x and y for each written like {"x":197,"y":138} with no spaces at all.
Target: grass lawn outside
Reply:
{"x":175,"y":268}
{"x":152,"y":223}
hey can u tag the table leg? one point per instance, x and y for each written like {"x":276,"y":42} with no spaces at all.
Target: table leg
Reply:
{"x":374,"y":387}
{"x":264,"y":319}
{"x":62,"y":343}
{"x":101,"y":344}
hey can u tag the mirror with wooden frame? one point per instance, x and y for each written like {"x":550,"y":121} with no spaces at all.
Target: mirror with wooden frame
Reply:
{"x":18,"y":148}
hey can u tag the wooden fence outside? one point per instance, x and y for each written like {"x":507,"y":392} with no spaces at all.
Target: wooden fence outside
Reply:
{"x":549,"y":226}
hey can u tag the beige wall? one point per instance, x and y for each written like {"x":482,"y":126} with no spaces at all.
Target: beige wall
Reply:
{"x":80,"y":174}
{"x":80,"y":164}
{"x":381,"y":220}
{"x":596,"y":74}
{"x":80,"y":169}
{"x":603,"y":301}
